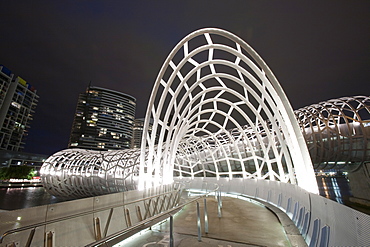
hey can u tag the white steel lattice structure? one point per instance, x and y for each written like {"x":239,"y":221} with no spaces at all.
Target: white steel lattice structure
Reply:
{"x":214,"y":84}
{"x":77,"y":173}
{"x":337,"y":132}
{"x":216,"y":109}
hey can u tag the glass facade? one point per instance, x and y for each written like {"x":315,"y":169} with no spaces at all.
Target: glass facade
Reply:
{"x":18,"y":100}
{"x":104,"y":120}
{"x":138,"y":132}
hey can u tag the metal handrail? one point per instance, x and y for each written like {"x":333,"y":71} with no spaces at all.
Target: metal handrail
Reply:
{"x":34,"y":226}
{"x":145,"y":222}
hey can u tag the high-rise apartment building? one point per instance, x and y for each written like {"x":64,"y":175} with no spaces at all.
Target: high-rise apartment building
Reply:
{"x":103,"y":120}
{"x":138,"y":132}
{"x":18,"y":100}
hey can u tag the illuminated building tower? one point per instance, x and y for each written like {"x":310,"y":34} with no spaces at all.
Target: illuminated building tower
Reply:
{"x":138,"y":132}
{"x":103,"y":120}
{"x":18,"y":100}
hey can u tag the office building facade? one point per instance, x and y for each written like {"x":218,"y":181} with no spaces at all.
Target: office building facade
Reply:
{"x":18,"y":100}
{"x":103,"y":120}
{"x":138,"y":132}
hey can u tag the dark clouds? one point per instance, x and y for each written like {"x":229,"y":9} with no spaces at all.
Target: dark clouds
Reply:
{"x":318,"y":49}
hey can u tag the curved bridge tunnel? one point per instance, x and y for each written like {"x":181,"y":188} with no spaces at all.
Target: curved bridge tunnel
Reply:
{"x":218,"y":111}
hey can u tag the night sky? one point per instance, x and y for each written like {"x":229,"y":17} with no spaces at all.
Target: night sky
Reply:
{"x":318,"y":50}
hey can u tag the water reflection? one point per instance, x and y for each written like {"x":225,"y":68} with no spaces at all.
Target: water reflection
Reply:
{"x":17,"y":198}
{"x":334,"y":188}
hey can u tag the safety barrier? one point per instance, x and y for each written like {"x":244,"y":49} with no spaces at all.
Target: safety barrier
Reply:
{"x":84,"y":221}
{"x":210,"y":189}
{"x":322,"y":222}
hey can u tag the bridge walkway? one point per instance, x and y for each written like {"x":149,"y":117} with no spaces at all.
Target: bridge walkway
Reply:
{"x":243,"y":223}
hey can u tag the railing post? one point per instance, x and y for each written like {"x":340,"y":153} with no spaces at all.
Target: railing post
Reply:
{"x":205,"y":216}
{"x":97,"y":228}
{"x":108,"y":222}
{"x":219,"y":205}
{"x":204,"y":182}
{"x":49,"y":239}
{"x":220,"y":198}
{"x":198,"y":223}
{"x":138,"y":212}
{"x":128,"y":218}
{"x":30,"y":237}
{"x":171,"y":231}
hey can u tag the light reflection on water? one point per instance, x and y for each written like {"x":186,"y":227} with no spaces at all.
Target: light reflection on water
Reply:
{"x":334,"y":188}
{"x":17,"y":198}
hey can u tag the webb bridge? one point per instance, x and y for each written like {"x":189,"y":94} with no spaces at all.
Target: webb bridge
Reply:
{"x":218,"y":115}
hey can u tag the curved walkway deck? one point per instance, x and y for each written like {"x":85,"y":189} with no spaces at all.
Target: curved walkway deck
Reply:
{"x":243,"y":223}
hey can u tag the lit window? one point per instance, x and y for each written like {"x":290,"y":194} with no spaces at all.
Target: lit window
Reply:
{"x":15,"y":104}
{"x":93,"y":92}
{"x":118,"y":117}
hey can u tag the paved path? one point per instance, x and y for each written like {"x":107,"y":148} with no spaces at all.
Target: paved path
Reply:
{"x":242,"y":223}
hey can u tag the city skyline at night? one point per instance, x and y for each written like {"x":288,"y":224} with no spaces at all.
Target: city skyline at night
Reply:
{"x":317,"y":50}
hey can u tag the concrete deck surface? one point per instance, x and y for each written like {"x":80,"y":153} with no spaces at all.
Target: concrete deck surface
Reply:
{"x":243,"y":223}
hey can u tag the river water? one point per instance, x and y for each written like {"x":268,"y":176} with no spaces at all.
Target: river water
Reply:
{"x":334,"y":188}
{"x":26,"y":197}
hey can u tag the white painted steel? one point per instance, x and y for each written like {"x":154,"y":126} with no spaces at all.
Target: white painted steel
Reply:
{"x":218,"y":110}
{"x":77,"y":173}
{"x":337,"y":132}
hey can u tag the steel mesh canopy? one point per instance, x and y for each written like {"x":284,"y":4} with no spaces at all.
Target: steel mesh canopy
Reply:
{"x":77,"y":173}
{"x":218,"y":110}
{"x":337,"y":132}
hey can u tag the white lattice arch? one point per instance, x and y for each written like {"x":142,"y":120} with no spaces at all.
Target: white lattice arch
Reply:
{"x":218,"y":110}
{"x":336,"y":132}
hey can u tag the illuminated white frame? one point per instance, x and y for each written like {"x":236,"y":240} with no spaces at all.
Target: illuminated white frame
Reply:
{"x":176,"y":120}
{"x":336,"y":132}
{"x":327,"y":126}
{"x":78,"y":173}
